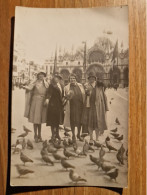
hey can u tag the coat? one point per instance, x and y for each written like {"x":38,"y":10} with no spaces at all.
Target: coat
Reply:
{"x":55,"y":112}
{"x":35,"y":110}
{"x":101,"y":108}
{"x":67,"y":106}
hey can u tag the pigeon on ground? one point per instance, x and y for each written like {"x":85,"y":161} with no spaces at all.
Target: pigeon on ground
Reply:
{"x":68,"y":153}
{"x":107,"y":138}
{"x":75,"y":177}
{"x":22,"y":171}
{"x":57,"y":145}
{"x":25,"y":159}
{"x":114,"y":130}
{"x":93,"y":159}
{"x":66,"y":165}
{"x":47,"y":159}
{"x":115,"y":134}
{"x":113,"y":174}
{"x":84,"y":135}
{"x":70,"y":142}
{"x":106,"y":167}
{"x":44,"y":152}
{"x":97,"y":144}
{"x":65,"y":143}
{"x":67,"y":129}
{"x":89,"y":147}
{"x":13,"y":130}
{"x":101,"y":152}
{"x":24,"y":143}
{"x":109,"y":146}
{"x":127,"y":153}
{"x":66,"y":134}
{"x":17,"y":148}
{"x":23,"y":134}
{"x":117,"y":121}
{"x":26,"y":129}
{"x":57,"y":156}
{"x":75,"y":146}
{"x":119,"y":138}
{"x":51,"y":150}
{"x":29,"y":144}
{"x":44,"y":144}
{"x":120,"y":158}
{"x":122,"y":149}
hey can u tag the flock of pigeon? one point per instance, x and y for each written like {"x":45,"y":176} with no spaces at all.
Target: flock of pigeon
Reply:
{"x":49,"y":153}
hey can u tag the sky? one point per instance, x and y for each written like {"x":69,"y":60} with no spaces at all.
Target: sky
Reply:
{"x":39,"y":31}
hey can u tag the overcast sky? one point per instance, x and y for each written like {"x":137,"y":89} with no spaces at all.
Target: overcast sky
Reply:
{"x":41,"y":30}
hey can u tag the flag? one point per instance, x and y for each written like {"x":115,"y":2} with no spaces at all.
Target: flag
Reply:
{"x":55,"y":63}
{"x":115,"y":52}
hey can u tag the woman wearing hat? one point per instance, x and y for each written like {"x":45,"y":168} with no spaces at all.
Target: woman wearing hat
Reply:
{"x":35,"y":110}
{"x":75,"y":94}
{"x":89,"y":118}
{"x":55,"y":112}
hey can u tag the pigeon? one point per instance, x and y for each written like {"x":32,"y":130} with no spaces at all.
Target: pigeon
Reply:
{"x":17,"y":148}
{"x":119,"y":138}
{"x":66,"y":134}
{"x":13,"y":130}
{"x":106,"y":167}
{"x":122,"y":149}
{"x":109,"y":146}
{"x":26,"y":129}
{"x":50,"y":149}
{"x":127,"y":153}
{"x":65,"y":164}
{"x":29,"y":144}
{"x":113,"y":174}
{"x":67,"y":129}
{"x":75,"y":177}
{"x":57,"y":156}
{"x":114,"y":130}
{"x":70,"y":142}
{"x":22,"y":171}
{"x":25,"y":159}
{"x":23,"y":134}
{"x":44,"y":144}
{"x":117,"y":121}
{"x":84,"y":135}
{"x":75,"y":146}
{"x":24,"y":143}
{"x":119,"y":157}
{"x":65,"y":143}
{"x":43,"y":152}
{"x":47,"y":159}
{"x":99,"y":163}
{"x":101,"y":152}
{"x":107,"y":138}
{"x":68,"y":153}
{"x":57,"y":145}
{"x":97,"y":144}
{"x":115,"y":134}
{"x":93,"y":159}
{"x":89,"y":147}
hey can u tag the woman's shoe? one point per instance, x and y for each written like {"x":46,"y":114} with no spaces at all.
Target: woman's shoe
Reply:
{"x":80,"y":138}
{"x":40,"y":139}
{"x":91,"y":142}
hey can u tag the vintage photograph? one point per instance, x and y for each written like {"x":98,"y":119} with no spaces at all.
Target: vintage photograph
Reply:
{"x":70,"y":90}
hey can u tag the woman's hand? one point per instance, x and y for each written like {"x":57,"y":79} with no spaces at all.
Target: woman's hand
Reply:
{"x":46,"y":102}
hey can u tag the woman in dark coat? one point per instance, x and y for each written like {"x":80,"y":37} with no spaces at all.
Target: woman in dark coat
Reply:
{"x":55,"y":113}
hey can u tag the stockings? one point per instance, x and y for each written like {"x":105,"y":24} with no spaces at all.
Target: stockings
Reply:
{"x":37,"y":135}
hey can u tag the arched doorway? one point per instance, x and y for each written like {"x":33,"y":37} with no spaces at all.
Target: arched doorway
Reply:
{"x":65,"y":74}
{"x":126,"y":77}
{"x":114,"y":75}
{"x":96,"y":69}
{"x":78,"y":73}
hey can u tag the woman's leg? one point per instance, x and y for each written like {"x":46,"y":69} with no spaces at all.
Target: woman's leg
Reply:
{"x":57,"y":133}
{"x":97,"y":134}
{"x":79,"y":131}
{"x":39,"y":132}
{"x":53,"y":133}
{"x":73,"y":132}
{"x":35,"y":132}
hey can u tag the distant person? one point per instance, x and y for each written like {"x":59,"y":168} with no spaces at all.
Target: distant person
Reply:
{"x":55,"y":112}
{"x":35,"y":110}
{"x":75,"y":93}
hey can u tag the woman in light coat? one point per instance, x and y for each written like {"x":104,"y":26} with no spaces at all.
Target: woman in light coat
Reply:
{"x":35,"y":110}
